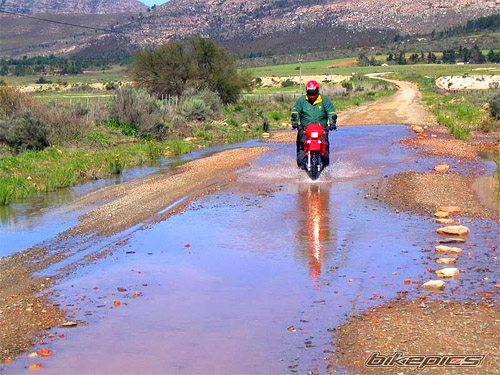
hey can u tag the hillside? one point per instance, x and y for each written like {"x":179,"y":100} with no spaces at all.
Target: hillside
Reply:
{"x":72,"y":6}
{"x":277,"y":26}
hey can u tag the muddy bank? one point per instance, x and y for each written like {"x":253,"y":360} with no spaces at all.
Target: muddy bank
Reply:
{"x":437,"y":141}
{"x":25,"y":309}
{"x":425,"y":192}
{"x":25,"y":312}
{"x":420,"y":327}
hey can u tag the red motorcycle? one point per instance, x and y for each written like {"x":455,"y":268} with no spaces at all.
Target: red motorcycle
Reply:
{"x":314,"y":149}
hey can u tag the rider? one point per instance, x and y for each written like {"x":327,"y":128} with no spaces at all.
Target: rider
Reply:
{"x":313,"y":109}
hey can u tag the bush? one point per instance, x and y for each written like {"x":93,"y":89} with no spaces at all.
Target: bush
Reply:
{"x":195,"y":109}
{"x":12,"y":100}
{"x":347,"y":85}
{"x":199,"y":61}
{"x":199,"y":105}
{"x":287,"y":83}
{"x":24,"y":131}
{"x":64,"y":124}
{"x":494,"y":109}
{"x":42,"y":81}
{"x":140,"y":110}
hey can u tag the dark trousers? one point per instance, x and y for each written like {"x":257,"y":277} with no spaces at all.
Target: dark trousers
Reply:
{"x":301,"y":138}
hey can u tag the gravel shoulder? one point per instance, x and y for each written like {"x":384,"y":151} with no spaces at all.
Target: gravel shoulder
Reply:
{"x":420,"y":327}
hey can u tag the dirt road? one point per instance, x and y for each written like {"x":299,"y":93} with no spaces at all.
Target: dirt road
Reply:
{"x":404,"y":107}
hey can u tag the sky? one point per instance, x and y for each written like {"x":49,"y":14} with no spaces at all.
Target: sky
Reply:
{"x":152,"y":2}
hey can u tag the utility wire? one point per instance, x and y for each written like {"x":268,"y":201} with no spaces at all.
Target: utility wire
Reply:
{"x":61,"y":22}
{"x":81,"y":26}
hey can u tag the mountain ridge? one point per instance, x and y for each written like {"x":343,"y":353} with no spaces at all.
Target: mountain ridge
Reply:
{"x":72,"y":6}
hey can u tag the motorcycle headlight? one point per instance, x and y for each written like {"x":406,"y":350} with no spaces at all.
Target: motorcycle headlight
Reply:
{"x":314,"y":134}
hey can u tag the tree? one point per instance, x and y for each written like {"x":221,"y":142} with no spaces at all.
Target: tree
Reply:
{"x":200,"y":63}
{"x":363,"y":60}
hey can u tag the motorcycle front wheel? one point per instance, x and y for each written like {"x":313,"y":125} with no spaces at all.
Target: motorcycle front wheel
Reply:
{"x":315,"y":167}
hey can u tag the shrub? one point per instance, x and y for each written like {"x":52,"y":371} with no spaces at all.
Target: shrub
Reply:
{"x":287,"y":83}
{"x":199,"y":105}
{"x":347,"y":85}
{"x":140,"y":110}
{"x":24,"y":131}
{"x":494,"y":104}
{"x":42,"y":80}
{"x":12,"y":100}
{"x":195,"y":109}
{"x":64,"y":124}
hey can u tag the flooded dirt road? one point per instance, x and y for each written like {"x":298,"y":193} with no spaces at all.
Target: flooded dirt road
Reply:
{"x":255,"y":277}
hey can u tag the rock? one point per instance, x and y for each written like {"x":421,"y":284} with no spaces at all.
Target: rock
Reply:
{"x":457,"y":230}
{"x":446,"y":221}
{"x":190,"y":139}
{"x":69,"y":324}
{"x":448,"y":250}
{"x":486,"y":106}
{"x":446,"y":261}
{"x":452,"y":240}
{"x":451,"y":209}
{"x":417,"y":129}
{"x":441,"y":167}
{"x":266,"y":135}
{"x":448,"y":272}
{"x":434,"y":285}
{"x":442,"y":214}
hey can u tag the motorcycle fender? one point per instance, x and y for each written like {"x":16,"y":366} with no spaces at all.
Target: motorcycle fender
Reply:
{"x":315,"y":146}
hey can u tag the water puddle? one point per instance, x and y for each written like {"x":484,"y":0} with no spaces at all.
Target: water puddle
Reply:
{"x":253,"y":278}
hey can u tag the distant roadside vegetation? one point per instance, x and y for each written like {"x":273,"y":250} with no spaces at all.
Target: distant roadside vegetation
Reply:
{"x":55,"y":65}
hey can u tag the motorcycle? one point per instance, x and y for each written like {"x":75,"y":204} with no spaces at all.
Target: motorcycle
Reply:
{"x":314,"y":150}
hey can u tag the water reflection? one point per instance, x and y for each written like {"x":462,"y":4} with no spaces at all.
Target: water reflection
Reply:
{"x":314,"y":237}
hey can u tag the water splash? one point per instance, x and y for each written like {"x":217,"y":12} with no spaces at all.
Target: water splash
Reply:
{"x":285,"y":169}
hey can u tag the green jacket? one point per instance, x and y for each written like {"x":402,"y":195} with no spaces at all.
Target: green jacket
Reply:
{"x":319,"y":112}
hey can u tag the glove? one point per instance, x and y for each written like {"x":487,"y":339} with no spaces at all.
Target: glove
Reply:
{"x":295,"y":121}
{"x":333,"y":122}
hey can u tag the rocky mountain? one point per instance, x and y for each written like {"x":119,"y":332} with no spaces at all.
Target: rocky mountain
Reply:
{"x":280,"y":26}
{"x":298,"y":24}
{"x":72,"y":6}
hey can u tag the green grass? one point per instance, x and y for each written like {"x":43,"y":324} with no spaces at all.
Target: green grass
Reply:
{"x":460,"y":112}
{"x":38,"y":171}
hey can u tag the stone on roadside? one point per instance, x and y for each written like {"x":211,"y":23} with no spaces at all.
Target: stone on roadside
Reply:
{"x":441,"y":167}
{"x":442,"y":214}
{"x":457,"y":230}
{"x":452,"y":240}
{"x":448,"y":272}
{"x":446,"y":221}
{"x":448,"y":250}
{"x":450,"y":209}
{"x":417,"y":129}
{"x":266,"y":135}
{"x":434,"y":285}
{"x":446,"y":261}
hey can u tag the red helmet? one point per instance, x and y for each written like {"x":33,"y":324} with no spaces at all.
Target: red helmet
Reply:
{"x":312,"y":90}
